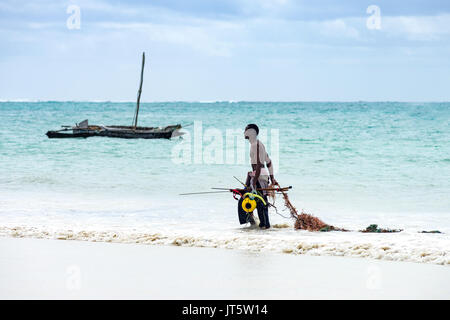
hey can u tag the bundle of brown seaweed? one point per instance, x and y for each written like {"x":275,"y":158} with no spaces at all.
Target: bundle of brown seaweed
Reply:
{"x":306,"y":221}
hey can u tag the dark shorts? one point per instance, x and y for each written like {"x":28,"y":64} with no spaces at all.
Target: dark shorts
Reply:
{"x":263,"y":212}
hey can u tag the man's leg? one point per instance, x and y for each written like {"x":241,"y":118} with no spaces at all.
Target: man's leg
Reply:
{"x":263,"y":214}
{"x":263,"y":211}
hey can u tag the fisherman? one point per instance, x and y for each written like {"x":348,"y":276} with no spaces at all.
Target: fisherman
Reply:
{"x":259,"y":176}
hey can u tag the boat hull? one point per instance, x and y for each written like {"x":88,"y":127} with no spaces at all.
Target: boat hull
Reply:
{"x":61,"y":135}
{"x":122,"y":132}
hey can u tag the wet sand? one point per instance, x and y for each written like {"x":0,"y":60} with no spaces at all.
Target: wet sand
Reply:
{"x":61,"y":269}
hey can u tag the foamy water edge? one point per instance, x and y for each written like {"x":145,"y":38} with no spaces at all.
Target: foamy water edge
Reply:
{"x":409,"y":248}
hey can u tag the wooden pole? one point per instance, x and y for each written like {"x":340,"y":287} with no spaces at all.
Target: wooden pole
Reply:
{"x":140,"y":90}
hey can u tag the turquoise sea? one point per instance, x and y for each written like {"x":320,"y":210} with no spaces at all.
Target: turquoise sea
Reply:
{"x":350,"y":163}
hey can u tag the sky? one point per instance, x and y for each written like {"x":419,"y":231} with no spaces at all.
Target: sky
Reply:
{"x":210,"y":50}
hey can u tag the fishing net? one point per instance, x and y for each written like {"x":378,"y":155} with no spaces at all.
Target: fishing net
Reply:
{"x":309,"y":222}
{"x":306,"y":221}
{"x":303,"y":221}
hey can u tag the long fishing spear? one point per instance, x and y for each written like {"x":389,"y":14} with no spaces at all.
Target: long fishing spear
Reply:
{"x":191,"y":193}
{"x":224,"y":190}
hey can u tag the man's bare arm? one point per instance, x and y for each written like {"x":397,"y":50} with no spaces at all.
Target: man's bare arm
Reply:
{"x":258,"y":166}
{"x":272,"y":178}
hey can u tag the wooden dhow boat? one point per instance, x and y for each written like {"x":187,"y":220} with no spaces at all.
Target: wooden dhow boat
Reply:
{"x":84,"y":130}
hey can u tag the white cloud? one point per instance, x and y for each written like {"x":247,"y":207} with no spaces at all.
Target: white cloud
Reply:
{"x":219,"y":37}
{"x":207,"y":38}
{"x":337,"y":28}
{"x":418,"y":27}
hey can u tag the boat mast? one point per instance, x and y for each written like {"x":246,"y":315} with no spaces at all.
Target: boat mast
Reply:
{"x":139,"y":91}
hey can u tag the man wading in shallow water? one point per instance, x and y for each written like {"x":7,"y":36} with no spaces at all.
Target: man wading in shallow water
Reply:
{"x":259,"y":177}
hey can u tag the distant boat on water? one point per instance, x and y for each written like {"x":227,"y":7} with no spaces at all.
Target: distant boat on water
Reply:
{"x":85,"y":130}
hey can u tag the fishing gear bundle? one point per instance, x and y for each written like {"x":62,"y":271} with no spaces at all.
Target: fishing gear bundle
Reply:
{"x":249,"y":200}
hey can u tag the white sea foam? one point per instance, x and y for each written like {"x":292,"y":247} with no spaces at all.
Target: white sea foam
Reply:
{"x":412,"y":247}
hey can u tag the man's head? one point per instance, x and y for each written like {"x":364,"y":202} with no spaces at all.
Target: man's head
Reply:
{"x":251,"y":130}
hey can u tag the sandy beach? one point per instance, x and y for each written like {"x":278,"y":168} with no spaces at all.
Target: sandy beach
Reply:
{"x":55,"y":269}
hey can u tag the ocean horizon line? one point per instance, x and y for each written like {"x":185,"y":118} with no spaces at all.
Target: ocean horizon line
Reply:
{"x":225,"y":101}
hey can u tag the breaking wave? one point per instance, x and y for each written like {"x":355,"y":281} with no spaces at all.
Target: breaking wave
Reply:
{"x":411,"y":247}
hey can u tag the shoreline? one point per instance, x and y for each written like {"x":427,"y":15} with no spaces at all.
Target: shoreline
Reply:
{"x":49,"y":269}
{"x":399,"y":247}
